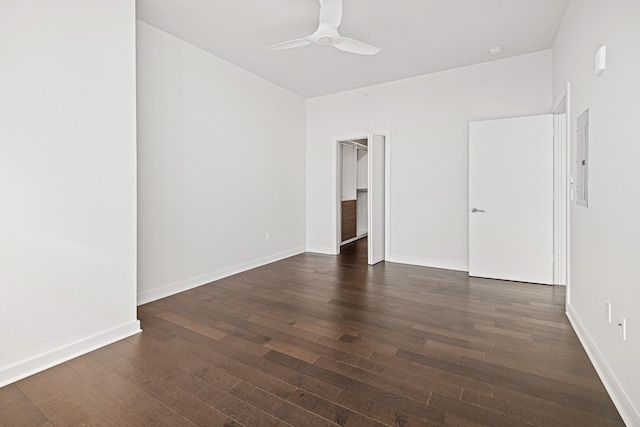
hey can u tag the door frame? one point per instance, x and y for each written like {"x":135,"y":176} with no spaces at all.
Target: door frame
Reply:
{"x":562,"y":189}
{"x":337,"y":188}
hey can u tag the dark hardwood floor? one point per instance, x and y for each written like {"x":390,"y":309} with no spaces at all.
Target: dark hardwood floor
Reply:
{"x":318,"y":340}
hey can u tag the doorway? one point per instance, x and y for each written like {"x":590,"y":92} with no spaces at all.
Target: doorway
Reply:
{"x":354,"y":190}
{"x":361,"y":194}
{"x":354,"y":254}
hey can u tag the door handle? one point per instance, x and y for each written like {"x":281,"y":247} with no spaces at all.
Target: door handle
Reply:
{"x":474,"y":210}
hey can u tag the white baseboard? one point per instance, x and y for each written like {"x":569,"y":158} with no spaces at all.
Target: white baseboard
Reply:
{"x":321,"y":250}
{"x":175,"y":288}
{"x":433,"y":263}
{"x":629,"y":413}
{"x":51,"y":358}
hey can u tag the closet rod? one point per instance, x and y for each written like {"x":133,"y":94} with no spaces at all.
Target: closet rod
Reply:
{"x":356,"y":144}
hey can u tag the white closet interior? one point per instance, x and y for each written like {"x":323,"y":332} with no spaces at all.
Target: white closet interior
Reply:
{"x":354,"y":190}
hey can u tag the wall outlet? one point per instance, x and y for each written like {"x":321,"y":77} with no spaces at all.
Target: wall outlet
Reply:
{"x":607,"y":311}
{"x":601,"y":60}
{"x":622,"y":324}
{"x":267,"y":236}
{"x":572,"y":191}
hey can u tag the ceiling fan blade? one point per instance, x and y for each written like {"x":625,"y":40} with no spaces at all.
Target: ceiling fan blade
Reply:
{"x":355,"y":46}
{"x":330,"y":13}
{"x":290,"y":44}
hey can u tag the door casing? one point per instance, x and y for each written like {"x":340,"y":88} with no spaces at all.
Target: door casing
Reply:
{"x":338,"y":185}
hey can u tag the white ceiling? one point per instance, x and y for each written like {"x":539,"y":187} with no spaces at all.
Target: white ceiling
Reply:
{"x":416,"y":36}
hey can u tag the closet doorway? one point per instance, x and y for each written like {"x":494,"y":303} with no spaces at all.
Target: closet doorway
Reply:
{"x":361,"y":193}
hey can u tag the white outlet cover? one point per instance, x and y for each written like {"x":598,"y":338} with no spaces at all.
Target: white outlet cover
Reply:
{"x":622,"y":323}
{"x":601,"y":60}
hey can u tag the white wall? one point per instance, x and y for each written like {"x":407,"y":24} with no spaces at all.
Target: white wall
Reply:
{"x":428,"y":117}
{"x":349,"y":172}
{"x":221,"y":163}
{"x":67,"y":180}
{"x":605,"y":237}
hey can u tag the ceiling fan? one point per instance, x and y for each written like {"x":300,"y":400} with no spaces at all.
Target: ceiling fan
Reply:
{"x":327,"y":33}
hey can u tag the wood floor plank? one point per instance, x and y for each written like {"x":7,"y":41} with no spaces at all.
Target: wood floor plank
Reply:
{"x":387,"y":415}
{"x":527,"y":411}
{"x":570,"y":395}
{"x":405,"y":377}
{"x":193,"y":325}
{"x":293,"y":351}
{"x":52,"y":401}
{"x":242,"y":364}
{"x":330,"y":410}
{"x":347,"y":348}
{"x":148,"y":375}
{"x":329,"y":340}
{"x":189,"y":407}
{"x":326,"y":329}
{"x":434,"y":373}
{"x":17,"y":410}
{"x":473,"y":413}
{"x":382,"y":396}
{"x":570,"y":371}
{"x":134,"y":398}
{"x":594,"y":401}
{"x":365,"y":376}
{"x":89,"y":397}
{"x":567,"y":415}
{"x":219,"y":399}
{"x":192,"y":366}
{"x":217,"y":362}
{"x":286,"y":410}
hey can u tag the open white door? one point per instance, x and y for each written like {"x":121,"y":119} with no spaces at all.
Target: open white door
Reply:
{"x":511,"y":199}
{"x":376,"y":198}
